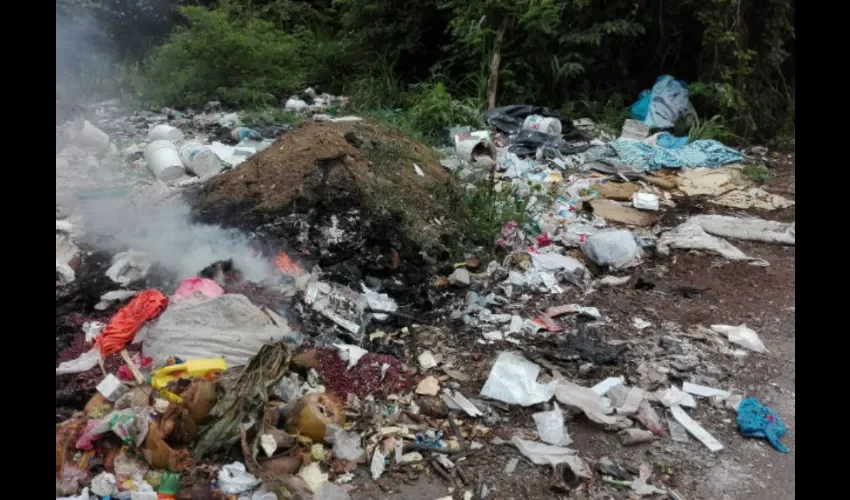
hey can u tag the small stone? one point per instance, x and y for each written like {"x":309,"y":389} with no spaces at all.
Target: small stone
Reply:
{"x":586,"y":369}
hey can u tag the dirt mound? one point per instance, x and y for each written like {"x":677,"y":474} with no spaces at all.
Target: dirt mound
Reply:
{"x":334,"y":166}
{"x":345,"y":196}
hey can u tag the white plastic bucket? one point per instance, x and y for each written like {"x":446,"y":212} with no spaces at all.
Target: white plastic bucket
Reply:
{"x":635,"y":130}
{"x":164,"y":160}
{"x":551,"y":126}
{"x":469,"y":149}
{"x":87,"y":135}
{"x":165,"y":132}
{"x":199,"y":159}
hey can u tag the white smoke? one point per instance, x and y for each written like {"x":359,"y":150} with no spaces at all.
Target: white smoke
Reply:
{"x":166,"y":233}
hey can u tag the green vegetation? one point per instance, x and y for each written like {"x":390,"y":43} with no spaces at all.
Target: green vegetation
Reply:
{"x":758,"y":173}
{"x":432,"y":59}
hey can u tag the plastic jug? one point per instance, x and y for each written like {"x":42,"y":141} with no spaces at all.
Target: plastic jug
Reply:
{"x":203,"y":368}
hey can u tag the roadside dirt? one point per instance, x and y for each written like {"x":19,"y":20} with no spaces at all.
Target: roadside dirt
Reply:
{"x":687,"y":289}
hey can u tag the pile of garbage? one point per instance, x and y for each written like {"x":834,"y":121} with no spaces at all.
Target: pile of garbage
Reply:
{"x":176,"y":147}
{"x":335,"y":370}
{"x":607,"y":196}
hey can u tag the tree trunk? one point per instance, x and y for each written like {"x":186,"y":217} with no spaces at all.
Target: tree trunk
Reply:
{"x":495,"y":62}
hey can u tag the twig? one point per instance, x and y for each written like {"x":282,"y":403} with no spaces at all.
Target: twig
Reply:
{"x":456,"y":431}
{"x":442,"y":472}
{"x":421,"y":447}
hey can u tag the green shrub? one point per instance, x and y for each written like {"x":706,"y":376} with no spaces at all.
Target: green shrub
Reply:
{"x":432,"y":111}
{"x":239,"y":62}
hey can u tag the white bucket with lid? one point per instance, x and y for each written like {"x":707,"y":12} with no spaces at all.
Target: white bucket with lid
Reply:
{"x":165,"y":132}
{"x":551,"y":126}
{"x":164,"y":160}
{"x":87,"y":135}
{"x":199,"y":159}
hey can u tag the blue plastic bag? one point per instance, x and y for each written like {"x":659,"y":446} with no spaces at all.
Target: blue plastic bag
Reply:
{"x":662,"y":106}
{"x":755,"y":420}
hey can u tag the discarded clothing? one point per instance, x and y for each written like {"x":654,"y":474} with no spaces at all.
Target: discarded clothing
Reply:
{"x":662,"y":106}
{"x":647,"y":158}
{"x":670,"y":141}
{"x":755,"y":420}
{"x":123,"y":326}
{"x":190,"y":286}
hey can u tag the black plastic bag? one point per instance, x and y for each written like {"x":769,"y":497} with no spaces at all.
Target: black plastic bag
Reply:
{"x":508,"y":119}
{"x":527,"y":142}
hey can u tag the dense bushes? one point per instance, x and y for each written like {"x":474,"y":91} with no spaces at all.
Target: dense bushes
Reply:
{"x":579,"y":55}
{"x":242,"y":62}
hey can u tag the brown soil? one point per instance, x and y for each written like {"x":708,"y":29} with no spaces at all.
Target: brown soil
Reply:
{"x":333,"y":165}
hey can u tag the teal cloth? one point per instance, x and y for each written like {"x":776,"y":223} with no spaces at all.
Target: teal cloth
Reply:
{"x":755,"y":420}
{"x":648,"y":158}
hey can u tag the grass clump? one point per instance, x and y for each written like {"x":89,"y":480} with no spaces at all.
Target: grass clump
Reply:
{"x":758,"y":173}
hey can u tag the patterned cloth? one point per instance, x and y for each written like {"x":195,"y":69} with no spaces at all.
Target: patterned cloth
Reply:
{"x":755,"y":420}
{"x":647,"y":157}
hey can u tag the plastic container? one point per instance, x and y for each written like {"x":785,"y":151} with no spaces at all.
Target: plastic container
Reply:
{"x":550,"y":126}
{"x":87,"y":135}
{"x":164,"y":160}
{"x":199,"y":159}
{"x":165,"y":132}
{"x":169,"y":486}
{"x":202,"y":368}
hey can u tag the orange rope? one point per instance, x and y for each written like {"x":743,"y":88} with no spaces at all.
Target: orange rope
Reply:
{"x":123,"y":326}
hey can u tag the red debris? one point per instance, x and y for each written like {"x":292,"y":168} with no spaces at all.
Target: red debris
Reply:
{"x":365,"y":377}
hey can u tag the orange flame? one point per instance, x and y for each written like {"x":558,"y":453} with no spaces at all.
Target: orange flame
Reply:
{"x":286,"y":265}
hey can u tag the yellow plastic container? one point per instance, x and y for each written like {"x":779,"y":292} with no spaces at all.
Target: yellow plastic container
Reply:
{"x":193,"y":368}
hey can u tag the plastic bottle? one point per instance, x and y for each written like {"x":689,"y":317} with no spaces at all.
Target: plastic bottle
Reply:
{"x":169,"y":487}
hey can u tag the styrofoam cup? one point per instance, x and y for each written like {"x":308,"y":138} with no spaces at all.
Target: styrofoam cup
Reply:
{"x":87,"y":135}
{"x":164,"y":160}
{"x":199,"y":159}
{"x":165,"y":132}
{"x":551,"y":126}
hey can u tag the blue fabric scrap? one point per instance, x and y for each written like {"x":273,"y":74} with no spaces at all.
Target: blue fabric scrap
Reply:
{"x":755,"y":420}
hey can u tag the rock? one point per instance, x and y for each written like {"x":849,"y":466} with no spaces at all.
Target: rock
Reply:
{"x":429,"y":386}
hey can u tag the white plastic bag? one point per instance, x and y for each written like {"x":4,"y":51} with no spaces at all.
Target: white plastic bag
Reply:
{"x":85,"y":362}
{"x":234,"y":479}
{"x":615,"y":248}
{"x":513,"y":380}
{"x":551,"y":428}
{"x":741,"y":335}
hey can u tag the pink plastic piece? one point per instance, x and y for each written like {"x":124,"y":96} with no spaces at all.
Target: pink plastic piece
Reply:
{"x":190,"y":286}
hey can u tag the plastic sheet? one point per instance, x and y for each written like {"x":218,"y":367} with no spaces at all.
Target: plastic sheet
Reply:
{"x":551,"y":428}
{"x":513,"y":380}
